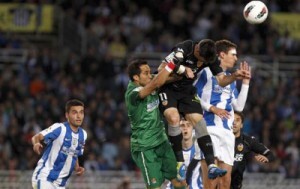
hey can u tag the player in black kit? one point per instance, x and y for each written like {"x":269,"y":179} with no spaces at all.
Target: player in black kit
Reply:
{"x":244,"y":146}
{"x":179,"y":97}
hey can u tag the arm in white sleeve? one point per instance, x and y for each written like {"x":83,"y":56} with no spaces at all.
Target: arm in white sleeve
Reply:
{"x":205,"y":105}
{"x":239,"y":103}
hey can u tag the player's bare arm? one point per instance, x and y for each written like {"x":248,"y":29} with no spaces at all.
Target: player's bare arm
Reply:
{"x":172,"y":77}
{"x":242,"y":73}
{"x":36,"y":142}
{"x":261,"y":158}
{"x":156,"y":82}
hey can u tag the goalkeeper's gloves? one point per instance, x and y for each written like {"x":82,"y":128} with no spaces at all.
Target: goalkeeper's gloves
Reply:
{"x":175,"y":64}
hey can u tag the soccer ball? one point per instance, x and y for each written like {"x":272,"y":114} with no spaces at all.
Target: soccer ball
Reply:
{"x":255,"y":12}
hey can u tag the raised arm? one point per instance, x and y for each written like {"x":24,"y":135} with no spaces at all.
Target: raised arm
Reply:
{"x":243,"y":73}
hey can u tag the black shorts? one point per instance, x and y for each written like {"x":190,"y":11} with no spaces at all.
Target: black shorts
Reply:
{"x":186,"y":102}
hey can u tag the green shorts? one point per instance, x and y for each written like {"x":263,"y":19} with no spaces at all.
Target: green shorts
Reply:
{"x":156,"y":164}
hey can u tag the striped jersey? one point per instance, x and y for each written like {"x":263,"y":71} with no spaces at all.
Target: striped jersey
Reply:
{"x":196,"y":181}
{"x":227,"y":98}
{"x":63,"y":146}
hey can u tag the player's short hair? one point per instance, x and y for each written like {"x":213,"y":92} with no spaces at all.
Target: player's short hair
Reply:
{"x":241,"y":115}
{"x":134,"y":67}
{"x":224,"y":46}
{"x":73,"y":102}
{"x":207,"y":50}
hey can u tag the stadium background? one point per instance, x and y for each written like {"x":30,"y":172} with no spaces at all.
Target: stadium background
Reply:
{"x":54,"y":50}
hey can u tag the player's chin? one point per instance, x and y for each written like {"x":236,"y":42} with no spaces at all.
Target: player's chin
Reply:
{"x":78,"y":123}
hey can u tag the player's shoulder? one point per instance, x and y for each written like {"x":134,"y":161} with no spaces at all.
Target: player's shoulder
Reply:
{"x":187,"y":45}
{"x":248,"y":137}
{"x":56,"y":126}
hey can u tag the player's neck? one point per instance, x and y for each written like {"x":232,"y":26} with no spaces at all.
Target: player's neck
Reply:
{"x":224,"y":68}
{"x":74,"y":128}
{"x":187,"y":144}
{"x":237,"y":134}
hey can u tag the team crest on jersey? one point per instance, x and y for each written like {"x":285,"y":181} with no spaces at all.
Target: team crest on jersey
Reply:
{"x":153,"y":180}
{"x":240,"y":147}
{"x":74,"y":142}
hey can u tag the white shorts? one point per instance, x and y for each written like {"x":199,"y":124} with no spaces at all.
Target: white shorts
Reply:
{"x":42,"y":184}
{"x":223,"y":144}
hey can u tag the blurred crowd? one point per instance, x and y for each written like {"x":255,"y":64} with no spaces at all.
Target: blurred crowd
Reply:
{"x":32,"y":94}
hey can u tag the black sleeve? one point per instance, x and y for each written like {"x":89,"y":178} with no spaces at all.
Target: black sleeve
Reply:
{"x":259,"y":148}
{"x":215,"y":67}
{"x":190,"y":169}
{"x":270,"y":155}
{"x":186,"y":47}
{"x":81,"y":160}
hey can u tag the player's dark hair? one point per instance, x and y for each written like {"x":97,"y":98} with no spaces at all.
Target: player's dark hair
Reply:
{"x":224,"y":46}
{"x":207,"y":50}
{"x":241,"y":115}
{"x":73,"y":102}
{"x":134,"y":67}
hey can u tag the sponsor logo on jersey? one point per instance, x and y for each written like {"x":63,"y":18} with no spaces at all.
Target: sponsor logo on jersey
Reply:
{"x":240,"y":147}
{"x":151,"y":106}
{"x":238,"y":157}
{"x":70,"y":151}
{"x":219,"y":89}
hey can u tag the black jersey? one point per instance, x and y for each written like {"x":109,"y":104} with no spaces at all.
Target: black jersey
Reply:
{"x":189,"y":60}
{"x":244,"y":145}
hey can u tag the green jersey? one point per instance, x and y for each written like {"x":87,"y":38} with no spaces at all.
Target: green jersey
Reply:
{"x":147,"y":127}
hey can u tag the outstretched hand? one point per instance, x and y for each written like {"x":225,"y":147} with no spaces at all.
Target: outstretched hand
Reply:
{"x":79,"y":171}
{"x":244,"y":72}
{"x":261,"y":158}
{"x":223,"y":114}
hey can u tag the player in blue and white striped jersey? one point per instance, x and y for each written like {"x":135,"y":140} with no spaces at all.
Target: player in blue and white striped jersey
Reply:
{"x":189,"y":147}
{"x":64,"y":143}
{"x":218,"y":104}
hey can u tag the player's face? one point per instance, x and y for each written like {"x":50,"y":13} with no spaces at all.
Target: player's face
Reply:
{"x":145,"y":76}
{"x":229,"y":58}
{"x":75,"y":116}
{"x":237,"y":124}
{"x":186,"y":129}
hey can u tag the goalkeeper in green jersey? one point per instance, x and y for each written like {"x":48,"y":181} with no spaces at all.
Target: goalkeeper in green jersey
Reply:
{"x":150,"y":148}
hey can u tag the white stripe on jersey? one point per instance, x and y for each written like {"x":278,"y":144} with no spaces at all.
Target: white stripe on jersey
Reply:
{"x":61,"y":153}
